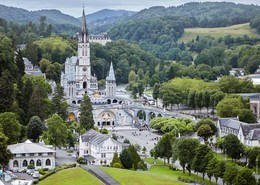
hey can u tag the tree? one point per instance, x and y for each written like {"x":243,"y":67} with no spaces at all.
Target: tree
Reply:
{"x":230,"y":173}
{"x":206,"y":99}
{"x":10,"y":126}
{"x":154,"y":79}
{"x":134,"y":157}
{"x":5,"y":154}
{"x":246,"y":115}
{"x":35,"y":128}
{"x":205,"y":132}
{"x":6,"y":91}
{"x":205,"y":129}
{"x":26,"y":92}
{"x":131,"y":77}
{"x":186,"y":151}
{"x":44,"y":63}
{"x":59,"y":103}
{"x":227,"y":107}
{"x":86,"y":115}
{"x":244,"y":177}
{"x":191,"y":100}
{"x":163,"y":148}
{"x":211,"y":167}
{"x":125,"y":159}
{"x":252,"y":155}
{"x":232,"y":146}
{"x":20,"y":64}
{"x":144,"y":151}
{"x":57,"y":131}
{"x":37,"y":103}
{"x":201,"y":159}
{"x":156,"y":92}
{"x":115,"y":160}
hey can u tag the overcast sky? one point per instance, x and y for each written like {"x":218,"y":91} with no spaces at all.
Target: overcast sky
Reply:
{"x":74,"y":7}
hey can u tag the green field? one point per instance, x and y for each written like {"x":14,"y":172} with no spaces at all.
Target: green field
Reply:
{"x":71,"y":176}
{"x":126,"y":177}
{"x":235,"y":30}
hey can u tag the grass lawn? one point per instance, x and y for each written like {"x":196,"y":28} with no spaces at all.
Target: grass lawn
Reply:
{"x":235,"y":30}
{"x":150,"y":91}
{"x":126,"y":177}
{"x":166,"y":172}
{"x":153,"y":161}
{"x":70,"y":176}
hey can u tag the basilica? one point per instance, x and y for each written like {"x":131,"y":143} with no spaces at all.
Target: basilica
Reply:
{"x":77,"y":79}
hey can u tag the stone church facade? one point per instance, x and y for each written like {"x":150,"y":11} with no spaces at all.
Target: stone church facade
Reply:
{"x":77,"y":79}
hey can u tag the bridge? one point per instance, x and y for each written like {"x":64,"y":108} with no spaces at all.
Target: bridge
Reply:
{"x":123,"y":112}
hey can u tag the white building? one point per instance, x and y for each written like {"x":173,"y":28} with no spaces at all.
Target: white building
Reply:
{"x":248,"y":134}
{"x":28,"y":153}
{"x":77,"y":79}
{"x":31,"y":69}
{"x":98,"y":148}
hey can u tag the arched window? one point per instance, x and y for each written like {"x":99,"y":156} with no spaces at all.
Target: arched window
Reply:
{"x":15,"y":164}
{"x":48,"y":162}
{"x":32,"y":162}
{"x":25,"y":163}
{"x":38,"y":162}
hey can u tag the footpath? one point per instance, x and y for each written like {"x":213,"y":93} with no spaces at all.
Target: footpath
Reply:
{"x":100,"y":174}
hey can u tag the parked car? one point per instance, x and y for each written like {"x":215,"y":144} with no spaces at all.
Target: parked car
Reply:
{"x":21,"y":171}
{"x":29,"y":171}
{"x":36,"y":175}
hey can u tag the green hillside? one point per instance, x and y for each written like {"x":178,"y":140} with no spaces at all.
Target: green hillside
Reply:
{"x":71,"y":176}
{"x":235,"y":30}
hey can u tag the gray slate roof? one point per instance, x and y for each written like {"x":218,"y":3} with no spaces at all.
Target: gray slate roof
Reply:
{"x":233,"y":123}
{"x":246,"y":128}
{"x":94,"y":137}
{"x":28,"y":147}
{"x":254,"y":134}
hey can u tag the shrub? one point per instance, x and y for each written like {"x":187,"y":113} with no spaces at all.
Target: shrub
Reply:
{"x":141,"y":165}
{"x":36,"y":182}
{"x":81,"y":160}
{"x":30,"y":166}
{"x":117,"y":165}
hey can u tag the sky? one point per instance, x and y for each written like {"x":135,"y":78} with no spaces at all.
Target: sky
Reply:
{"x":74,"y":7}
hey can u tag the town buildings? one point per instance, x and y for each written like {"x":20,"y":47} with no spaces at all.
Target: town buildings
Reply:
{"x":248,"y":134}
{"x":98,"y":148}
{"x":28,"y":153}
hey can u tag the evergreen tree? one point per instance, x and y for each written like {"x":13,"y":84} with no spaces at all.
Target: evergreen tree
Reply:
{"x":27,"y":93}
{"x":20,"y":64}
{"x":37,"y":103}
{"x":134,"y":156}
{"x":125,"y":159}
{"x":59,"y":103}
{"x":6,"y":92}
{"x":115,"y":160}
{"x":35,"y":128}
{"x":86,"y":115}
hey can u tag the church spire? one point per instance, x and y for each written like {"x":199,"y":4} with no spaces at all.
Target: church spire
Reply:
{"x":111,"y":75}
{"x":83,"y":34}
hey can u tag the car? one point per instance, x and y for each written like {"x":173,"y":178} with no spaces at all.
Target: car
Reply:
{"x":21,"y":171}
{"x":36,"y":175}
{"x":29,"y":171}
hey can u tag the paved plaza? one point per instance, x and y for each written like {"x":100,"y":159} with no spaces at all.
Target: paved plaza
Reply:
{"x":144,"y":138}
